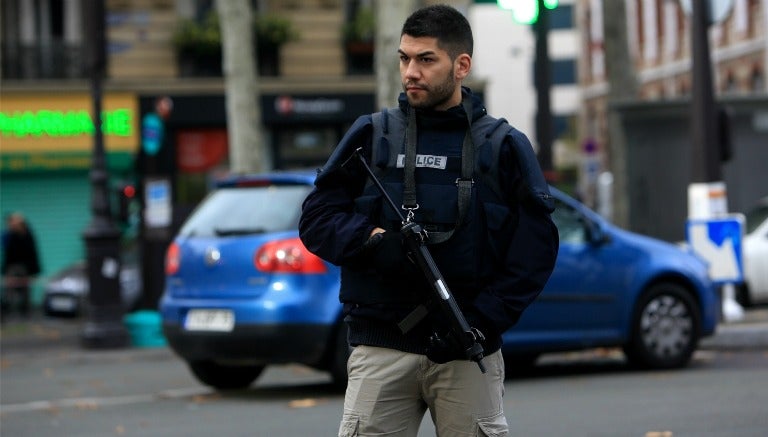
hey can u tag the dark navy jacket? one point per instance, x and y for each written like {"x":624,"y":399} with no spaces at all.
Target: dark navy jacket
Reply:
{"x":495,"y":265}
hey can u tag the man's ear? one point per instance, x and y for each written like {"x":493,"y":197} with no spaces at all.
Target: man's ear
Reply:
{"x":463,"y":64}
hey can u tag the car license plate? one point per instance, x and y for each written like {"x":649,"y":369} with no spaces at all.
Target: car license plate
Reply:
{"x":62,"y":303}
{"x":210,"y":320}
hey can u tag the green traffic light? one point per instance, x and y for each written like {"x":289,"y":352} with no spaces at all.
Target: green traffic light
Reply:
{"x":525,"y":11}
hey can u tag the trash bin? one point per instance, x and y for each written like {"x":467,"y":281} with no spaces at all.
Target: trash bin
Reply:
{"x":145,"y":328}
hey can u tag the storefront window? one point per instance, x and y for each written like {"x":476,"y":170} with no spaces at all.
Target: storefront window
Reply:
{"x":307,"y":146}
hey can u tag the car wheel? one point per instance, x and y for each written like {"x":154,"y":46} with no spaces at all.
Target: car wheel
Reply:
{"x":519,"y":363}
{"x":665,"y":328}
{"x":339,"y":357}
{"x":223,"y":377}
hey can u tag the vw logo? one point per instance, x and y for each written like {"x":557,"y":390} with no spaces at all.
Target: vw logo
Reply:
{"x":212,"y":256}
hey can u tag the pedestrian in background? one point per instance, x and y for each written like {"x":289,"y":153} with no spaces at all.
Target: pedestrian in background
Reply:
{"x":20,"y":264}
{"x":489,"y":231}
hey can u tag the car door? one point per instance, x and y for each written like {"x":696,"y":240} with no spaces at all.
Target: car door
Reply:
{"x":756,"y":261}
{"x":581,"y":302}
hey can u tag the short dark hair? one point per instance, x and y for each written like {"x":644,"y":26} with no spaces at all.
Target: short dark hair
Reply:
{"x":449,"y":26}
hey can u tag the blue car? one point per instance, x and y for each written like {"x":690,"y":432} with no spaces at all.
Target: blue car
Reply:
{"x":242,"y":292}
{"x":614,"y":288}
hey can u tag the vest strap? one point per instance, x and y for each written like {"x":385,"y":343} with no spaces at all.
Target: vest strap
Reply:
{"x":464,"y":184}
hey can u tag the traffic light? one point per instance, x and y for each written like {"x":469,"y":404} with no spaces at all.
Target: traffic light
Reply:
{"x":525,"y":11}
{"x":125,"y":193}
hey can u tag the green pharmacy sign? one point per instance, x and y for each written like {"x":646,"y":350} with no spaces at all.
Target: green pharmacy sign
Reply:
{"x":59,"y":124}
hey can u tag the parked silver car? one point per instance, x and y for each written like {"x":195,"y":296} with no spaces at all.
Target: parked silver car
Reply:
{"x":65,"y":294}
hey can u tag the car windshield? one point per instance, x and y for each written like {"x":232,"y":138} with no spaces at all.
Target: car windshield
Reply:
{"x":569,"y":223}
{"x":251,"y":210}
{"x":755,"y":217}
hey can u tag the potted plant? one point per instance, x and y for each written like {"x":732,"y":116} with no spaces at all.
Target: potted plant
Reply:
{"x":198,"y":46}
{"x":271,"y":31}
{"x":359,"y":36}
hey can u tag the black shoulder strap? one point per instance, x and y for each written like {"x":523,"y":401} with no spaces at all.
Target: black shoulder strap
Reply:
{"x":388,"y":138}
{"x":488,"y":134}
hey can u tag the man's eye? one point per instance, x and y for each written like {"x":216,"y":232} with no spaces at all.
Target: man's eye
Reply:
{"x":427,"y":60}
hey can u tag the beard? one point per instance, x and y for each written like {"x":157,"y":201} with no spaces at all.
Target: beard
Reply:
{"x":434,"y":96}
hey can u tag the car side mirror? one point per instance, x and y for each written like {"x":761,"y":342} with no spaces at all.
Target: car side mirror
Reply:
{"x":595,"y":233}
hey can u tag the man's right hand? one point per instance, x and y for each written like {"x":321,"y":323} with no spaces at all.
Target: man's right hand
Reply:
{"x":388,"y":254}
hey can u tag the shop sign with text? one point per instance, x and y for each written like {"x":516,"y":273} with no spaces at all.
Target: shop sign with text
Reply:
{"x":55,"y":131}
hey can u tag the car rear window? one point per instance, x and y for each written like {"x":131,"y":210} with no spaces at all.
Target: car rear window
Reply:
{"x":245,"y":211}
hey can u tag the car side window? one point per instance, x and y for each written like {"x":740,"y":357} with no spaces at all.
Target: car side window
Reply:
{"x":755,"y":217}
{"x":569,"y":224}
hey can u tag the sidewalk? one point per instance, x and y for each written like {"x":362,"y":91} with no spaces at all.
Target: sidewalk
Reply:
{"x":749,"y":333}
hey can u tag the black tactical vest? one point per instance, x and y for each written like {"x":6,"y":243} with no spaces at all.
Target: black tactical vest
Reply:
{"x":460,"y":204}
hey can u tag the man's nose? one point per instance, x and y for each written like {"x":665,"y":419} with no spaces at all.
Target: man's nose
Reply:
{"x":412,"y":70}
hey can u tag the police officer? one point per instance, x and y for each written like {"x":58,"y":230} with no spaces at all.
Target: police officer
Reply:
{"x":493,"y":240}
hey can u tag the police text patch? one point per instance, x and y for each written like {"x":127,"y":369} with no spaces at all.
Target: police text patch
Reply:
{"x":429,"y":161}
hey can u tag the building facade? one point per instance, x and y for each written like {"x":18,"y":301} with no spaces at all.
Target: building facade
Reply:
{"x":311,"y":90}
{"x":504,"y":58}
{"x":659,"y":46}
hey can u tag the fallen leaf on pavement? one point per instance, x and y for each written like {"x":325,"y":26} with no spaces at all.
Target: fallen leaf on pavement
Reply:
{"x":303,"y":403}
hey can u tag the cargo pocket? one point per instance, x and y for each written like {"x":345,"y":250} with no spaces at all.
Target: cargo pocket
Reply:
{"x":349,"y":425}
{"x":492,"y":426}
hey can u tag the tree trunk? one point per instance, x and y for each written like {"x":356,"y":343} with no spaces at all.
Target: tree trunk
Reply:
{"x":247,"y":149}
{"x":623,"y":86}
{"x":390,"y":16}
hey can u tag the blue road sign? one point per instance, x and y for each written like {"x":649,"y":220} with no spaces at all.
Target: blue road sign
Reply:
{"x":719,"y":242}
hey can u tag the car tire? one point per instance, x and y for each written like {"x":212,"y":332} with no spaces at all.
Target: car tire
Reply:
{"x":665,"y":328}
{"x":223,"y":377}
{"x":519,"y":363}
{"x":339,"y":357}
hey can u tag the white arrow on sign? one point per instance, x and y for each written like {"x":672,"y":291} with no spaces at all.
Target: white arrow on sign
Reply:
{"x":721,"y":258}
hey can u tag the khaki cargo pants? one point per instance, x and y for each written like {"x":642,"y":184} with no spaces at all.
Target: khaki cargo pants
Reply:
{"x":389,"y":391}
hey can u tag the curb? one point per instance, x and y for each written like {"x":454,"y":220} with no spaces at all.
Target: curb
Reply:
{"x":740,"y":336}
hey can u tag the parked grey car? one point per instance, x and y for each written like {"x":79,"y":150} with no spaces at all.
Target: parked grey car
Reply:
{"x":65,"y":294}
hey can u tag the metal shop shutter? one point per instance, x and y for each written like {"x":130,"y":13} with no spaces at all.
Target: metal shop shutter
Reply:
{"x":57,"y":207}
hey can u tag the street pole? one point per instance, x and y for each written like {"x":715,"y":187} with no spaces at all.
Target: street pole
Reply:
{"x":543,"y":82}
{"x":103,"y":327}
{"x":705,"y":156}
{"x":707,"y":193}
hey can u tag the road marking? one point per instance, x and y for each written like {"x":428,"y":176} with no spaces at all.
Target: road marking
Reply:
{"x":96,"y":402}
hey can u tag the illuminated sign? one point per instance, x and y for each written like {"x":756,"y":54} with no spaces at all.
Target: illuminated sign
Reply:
{"x":286,"y":105}
{"x":54,"y":131}
{"x":63,"y":123}
{"x":36,"y":123}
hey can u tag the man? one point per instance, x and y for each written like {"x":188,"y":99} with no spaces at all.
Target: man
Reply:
{"x":495,"y":244}
{"x":20,"y":263}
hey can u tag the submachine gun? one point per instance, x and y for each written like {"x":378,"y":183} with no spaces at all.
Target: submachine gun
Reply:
{"x":464,"y":337}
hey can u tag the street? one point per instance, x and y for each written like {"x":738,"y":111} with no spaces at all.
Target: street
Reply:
{"x":50,"y":387}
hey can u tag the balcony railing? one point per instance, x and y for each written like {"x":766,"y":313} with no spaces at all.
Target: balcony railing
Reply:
{"x":54,"y":60}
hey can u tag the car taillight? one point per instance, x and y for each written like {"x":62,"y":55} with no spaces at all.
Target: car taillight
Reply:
{"x":172,"y":259}
{"x":287,"y":256}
